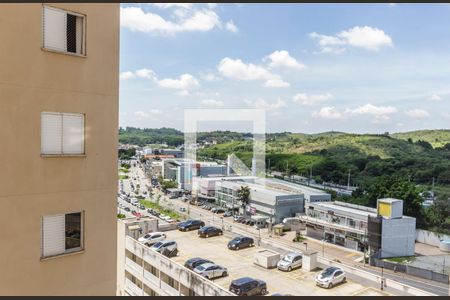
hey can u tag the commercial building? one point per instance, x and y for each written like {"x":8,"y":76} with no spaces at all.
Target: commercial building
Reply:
{"x":263,"y":200}
{"x":348,"y":225}
{"x":204,"y":188}
{"x":144,"y":272}
{"x":59,"y":116}
{"x":183,"y":170}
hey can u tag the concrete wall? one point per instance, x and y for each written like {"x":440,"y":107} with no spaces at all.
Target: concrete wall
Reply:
{"x":33,"y":80}
{"x":398,"y":237}
{"x":186,"y":277}
{"x":430,"y":238}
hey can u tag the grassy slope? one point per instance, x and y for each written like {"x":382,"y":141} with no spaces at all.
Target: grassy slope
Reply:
{"x":437,"y":138}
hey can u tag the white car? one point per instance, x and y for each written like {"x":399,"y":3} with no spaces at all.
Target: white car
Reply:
{"x":330,"y":277}
{"x":152,"y":238}
{"x":290,"y":261}
{"x":210,"y":270}
{"x":161,"y":246}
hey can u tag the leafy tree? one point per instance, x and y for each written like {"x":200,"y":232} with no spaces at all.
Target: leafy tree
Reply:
{"x":244,"y":195}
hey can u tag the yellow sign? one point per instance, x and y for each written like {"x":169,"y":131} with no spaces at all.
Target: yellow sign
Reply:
{"x":384,"y":209}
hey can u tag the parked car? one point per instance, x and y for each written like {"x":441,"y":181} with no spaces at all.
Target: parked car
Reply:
{"x":164,"y":245}
{"x":290,"y":261}
{"x":182,"y":209}
{"x":243,"y":220}
{"x":237,"y":218}
{"x":193,"y":263}
{"x":190,"y":225}
{"x":211,"y":270}
{"x":207,"y":231}
{"x":127,"y":209}
{"x":219,"y":211}
{"x":240,"y":242}
{"x":330,"y":277}
{"x":133,"y":212}
{"x":247,"y":286}
{"x":228,"y":214}
{"x":142,"y":207}
{"x":152,"y":238}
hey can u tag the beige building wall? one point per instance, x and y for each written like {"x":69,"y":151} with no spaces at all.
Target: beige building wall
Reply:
{"x":33,"y":80}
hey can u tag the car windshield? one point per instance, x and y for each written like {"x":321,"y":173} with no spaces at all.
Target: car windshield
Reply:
{"x":157,"y":245}
{"x":201,"y":268}
{"x":288,"y":258}
{"x":328,"y":272}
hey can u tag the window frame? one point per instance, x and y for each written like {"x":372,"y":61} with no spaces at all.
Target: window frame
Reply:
{"x":76,"y":250}
{"x":62,"y":154}
{"x":83,"y":53}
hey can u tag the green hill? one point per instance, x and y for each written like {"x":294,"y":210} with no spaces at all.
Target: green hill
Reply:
{"x":437,"y":138}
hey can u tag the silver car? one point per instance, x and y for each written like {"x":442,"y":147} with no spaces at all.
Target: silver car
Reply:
{"x":290,"y":261}
{"x":210,"y":270}
{"x":330,"y":277}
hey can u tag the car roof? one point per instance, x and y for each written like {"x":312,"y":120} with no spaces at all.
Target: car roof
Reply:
{"x":206,"y":265}
{"x":333,"y":269}
{"x":243,"y":280}
{"x":294,"y":254}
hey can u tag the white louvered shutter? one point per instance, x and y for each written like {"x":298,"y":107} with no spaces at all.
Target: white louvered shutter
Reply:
{"x":53,"y":235}
{"x":51,"y":133}
{"x":55,"y":29}
{"x":73,"y":133}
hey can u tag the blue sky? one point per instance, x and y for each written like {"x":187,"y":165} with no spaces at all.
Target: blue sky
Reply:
{"x":313,"y":67}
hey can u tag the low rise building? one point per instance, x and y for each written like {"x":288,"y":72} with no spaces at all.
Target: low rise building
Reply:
{"x":144,"y":272}
{"x":263,"y":200}
{"x":357,"y":227}
{"x":204,"y":188}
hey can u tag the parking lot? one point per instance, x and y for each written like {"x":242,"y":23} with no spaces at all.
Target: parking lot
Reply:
{"x":240,"y":264}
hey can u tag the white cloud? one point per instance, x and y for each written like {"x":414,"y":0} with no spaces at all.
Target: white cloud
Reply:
{"x":183,"y":93}
{"x":276,"y":83}
{"x":236,"y":69}
{"x":370,"y":109}
{"x":435,"y":97}
{"x":417,"y":113}
{"x":136,"y":19}
{"x":231,"y":27}
{"x":209,"y":77}
{"x":145,"y":73}
{"x":212,"y":102}
{"x":283,"y":59}
{"x":170,"y":5}
{"x":141,"y":73}
{"x":184,"y":82}
{"x":365,"y":37}
{"x":126,"y":75}
{"x":263,"y":104}
{"x":328,"y":112}
{"x":311,"y":99}
{"x":143,"y":114}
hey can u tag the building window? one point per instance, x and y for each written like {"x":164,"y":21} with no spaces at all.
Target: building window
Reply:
{"x":62,"y":234}
{"x":62,"y":133}
{"x":63,"y":31}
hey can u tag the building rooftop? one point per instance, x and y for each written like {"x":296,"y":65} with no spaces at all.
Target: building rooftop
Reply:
{"x":355,"y":210}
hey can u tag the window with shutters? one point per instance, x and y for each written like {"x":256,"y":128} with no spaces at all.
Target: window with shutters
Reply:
{"x":62,"y":133}
{"x":62,"y":234}
{"x":63,"y":31}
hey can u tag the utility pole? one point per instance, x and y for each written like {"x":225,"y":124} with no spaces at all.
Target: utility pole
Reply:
{"x":348,"y":180}
{"x":310,"y":175}
{"x":432,"y":189}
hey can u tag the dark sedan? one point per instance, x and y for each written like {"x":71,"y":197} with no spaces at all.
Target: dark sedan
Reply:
{"x":193,"y":263}
{"x":208,"y":231}
{"x":240,"y":242}
{"x":190,"y":225}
